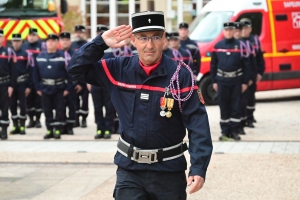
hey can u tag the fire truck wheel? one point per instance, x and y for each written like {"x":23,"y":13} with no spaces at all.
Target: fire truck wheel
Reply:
{"x":209,"y":94}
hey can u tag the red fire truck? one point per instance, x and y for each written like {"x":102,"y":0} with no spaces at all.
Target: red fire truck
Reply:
{"x":16,"y":16}
{"x":276,"y":22}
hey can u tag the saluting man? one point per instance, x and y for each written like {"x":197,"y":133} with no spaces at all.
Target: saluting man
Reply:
{"x":191,"y":45}
{"x":178,"y":53}
{"x":52,"y":83}
{"x":230,"y":72}
{"x":34,"y":103}
{"x":24,"y":65}
{"x":155,"y":109}
{"x":82,"y":105}
{"x":8,"y":78}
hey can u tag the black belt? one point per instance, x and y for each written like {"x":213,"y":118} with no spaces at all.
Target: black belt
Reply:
{"x":152,"y":155}
{"x":4,"y":79}
{"x":232,"y":74}
{"x":53,"y":81}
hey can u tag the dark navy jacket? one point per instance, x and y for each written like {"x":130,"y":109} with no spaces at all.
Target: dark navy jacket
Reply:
{"x":227,"y":57}
{"x":184,"y":56}
{"x":24,"y":65}
{"x":7,"y":67}
{"x":51,"y":66}
{"x":142,"y":126}
{"x":77,"y":44}
{"x":192,"y":46}
{"x":167,"y":52}
{"x":256,"y":56}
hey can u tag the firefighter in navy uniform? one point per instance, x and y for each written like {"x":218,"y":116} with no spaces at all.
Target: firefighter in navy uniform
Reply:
{"x":191,"y":45}
{"x":34,"y":104}
{"x":23,"y":66}
{"x":257,"y":67}
{"x":230,"y":74}
{"x":52,"y":83}
{"x":8,"y":78}
{"x":178,"y":53}
{"x":101,"y":98}
{"x":82,"y":105}
{"x":70,"y":99}
{"x":150,"y":149}
{"x":166,"y":50}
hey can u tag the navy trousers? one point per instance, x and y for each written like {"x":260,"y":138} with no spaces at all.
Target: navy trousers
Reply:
{"x":82,"y":103}
{"x":54,"y":102}
{"x":101,"y":98}
{"x":229,"y":98}
{"x":251,"y":102}
{"x":4,"y":104}
{"x":150,"y":185}
{"x":18,"y":95}
{"x":34,"y":104}
{"x":70,"y":100}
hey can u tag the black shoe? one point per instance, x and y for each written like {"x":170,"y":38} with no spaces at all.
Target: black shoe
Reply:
{"x":77,"y":124}
{"x":235,"y":136}
{"x":107,"y":135}
{"x":22,"y":130}
{"x":250,"y":125}
{"x":57,"y":134}
{"x":4,"y":134}
{"x":254,"y":121}
{"x":31,"y":124}
{"x":64,"y":131}
{"x":83,"y":123}
{"x":70,"y":132}
{"x":49,"y":134}
{"x":15,"y":130}
{"x":38,"y":124}
{"x":242,"y":132}
{"x":225,"y":137}
{"x":99,"y":135}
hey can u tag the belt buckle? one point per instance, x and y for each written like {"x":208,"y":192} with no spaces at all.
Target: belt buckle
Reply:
{"x":144,"y":156}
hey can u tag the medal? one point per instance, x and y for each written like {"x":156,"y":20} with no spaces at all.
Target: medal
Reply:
{"x":163,"y":103}
{"x":170,"y":104}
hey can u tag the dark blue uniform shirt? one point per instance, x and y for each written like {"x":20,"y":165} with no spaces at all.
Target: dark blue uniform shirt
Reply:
{"x":183,"y":55}
{"x":77,"y":44}
{"x":227,"y":57}
{"x":192,"y":46}
{"x":8,"y":72}
{"x":51,"y":66}
{"x":142,"y":126}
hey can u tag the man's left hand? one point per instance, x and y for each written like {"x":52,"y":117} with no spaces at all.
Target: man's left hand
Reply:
{"x":196,"y":183}
{"x":66,"y":93}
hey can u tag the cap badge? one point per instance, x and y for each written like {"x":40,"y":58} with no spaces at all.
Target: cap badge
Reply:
{"x":149,"y":20}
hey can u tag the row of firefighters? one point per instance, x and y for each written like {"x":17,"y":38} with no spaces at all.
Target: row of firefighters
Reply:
{"x":33,"y":79}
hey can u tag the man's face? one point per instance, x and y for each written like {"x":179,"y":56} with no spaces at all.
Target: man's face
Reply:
{"x":17,"y":44}
{"x":237,"y":34}
{"x":149,"y":51}
{"x":1,"y":40}
{"x":80,"y":35}
{"x":65,"y":43}
{"x":183,"y":33}
{"x":174,"y":43}
{"x":51,"y":45}
{"x":228,"y":33}
{"x":32,"y":38}
{"x":246,"y":31}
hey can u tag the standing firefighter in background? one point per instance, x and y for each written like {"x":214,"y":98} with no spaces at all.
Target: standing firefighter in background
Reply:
{"x":157,"y":100}
{"x":50,"y":77}
{"x":257,"y":67}
{"x":24,"y":65}
{"x":82,"y":105}
{"x":230,"y":74}
{"x":34,"y":104}
{"x":178,"y":53}
{"x":8,"y":78}
{"x":191,"y":45}
{"x":65,"y":42}
{"x":101,"y":98}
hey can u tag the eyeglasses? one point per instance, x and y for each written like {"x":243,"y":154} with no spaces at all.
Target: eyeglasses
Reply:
{"x":145,"y":39}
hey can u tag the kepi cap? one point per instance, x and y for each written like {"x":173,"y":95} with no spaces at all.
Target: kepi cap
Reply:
{"x":228,"y":25}
{"x":16,"y":36}
{"x":52,"y":36}
{"x":33,"y":31}
{"x":148,"y":21}
{"x":80,"y":28}
{"x":65,"y":35}
{"x":183,"y":25}
{"x":102,"y":28}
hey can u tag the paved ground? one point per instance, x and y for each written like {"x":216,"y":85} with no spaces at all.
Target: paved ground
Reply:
{"x":265,"y":165}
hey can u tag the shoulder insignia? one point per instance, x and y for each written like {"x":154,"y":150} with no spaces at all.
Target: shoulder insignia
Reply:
{"x":200,"y":96}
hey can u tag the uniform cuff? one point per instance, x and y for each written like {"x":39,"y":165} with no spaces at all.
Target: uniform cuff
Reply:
{"x":197,"y":171}
{"x":100,"y":42}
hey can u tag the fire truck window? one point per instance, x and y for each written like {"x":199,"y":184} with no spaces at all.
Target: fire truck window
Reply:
{"x":256,"y":19}
{"x":281,"y":17}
